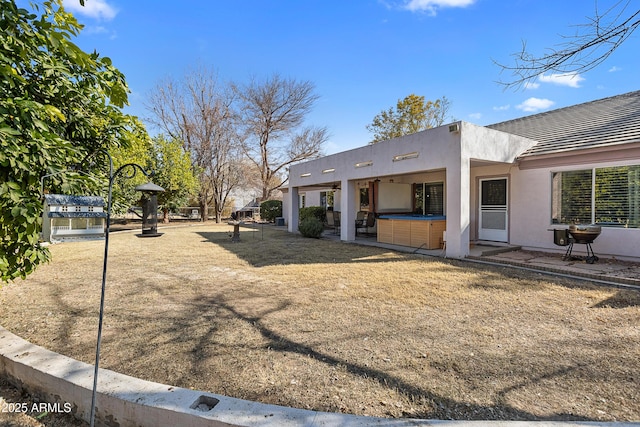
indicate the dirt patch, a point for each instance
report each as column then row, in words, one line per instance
column 330, row 326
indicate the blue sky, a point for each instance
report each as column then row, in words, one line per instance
column 362, row 55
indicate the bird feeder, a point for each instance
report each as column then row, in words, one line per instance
column 149, row 204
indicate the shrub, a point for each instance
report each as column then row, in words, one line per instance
column 311, row 227
column 270, row 210
column 317, row 212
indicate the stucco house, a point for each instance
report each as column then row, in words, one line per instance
column 508, row 183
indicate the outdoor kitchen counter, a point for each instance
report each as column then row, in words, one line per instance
column 412, row 230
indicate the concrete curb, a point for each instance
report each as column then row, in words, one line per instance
column 621, row 282
column 125, row 401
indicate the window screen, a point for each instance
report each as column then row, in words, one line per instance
column 609, row 196
column 617, row 196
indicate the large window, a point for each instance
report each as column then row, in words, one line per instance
column 608, row 196
column 429, row 198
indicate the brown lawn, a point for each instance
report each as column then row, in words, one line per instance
column 331, row 326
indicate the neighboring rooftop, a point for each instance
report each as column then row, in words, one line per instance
column 600, row 123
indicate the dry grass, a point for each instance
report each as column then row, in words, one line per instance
column 331, row 326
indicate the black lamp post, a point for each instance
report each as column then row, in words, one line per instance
column 128, row 171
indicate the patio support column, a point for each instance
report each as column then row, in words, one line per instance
column 348, row 210
column 294, row 209
column 458, row 208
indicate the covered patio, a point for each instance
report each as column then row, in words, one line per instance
column 388, row 178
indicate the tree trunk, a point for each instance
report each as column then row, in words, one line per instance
column 165, row 216
column 204, row 209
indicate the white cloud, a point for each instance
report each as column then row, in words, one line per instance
column 97, row 30
column 614, row 69
column 564, row 79
column 430, row 6
column 502, row 108
column 531, row 85
column 475, row 116
column 532, row 105
column 97, row 9
column 101, row 30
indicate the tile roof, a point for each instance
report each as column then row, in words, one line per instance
column 601, row 123
column 64, row 199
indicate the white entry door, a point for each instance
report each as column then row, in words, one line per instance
column 493, row 216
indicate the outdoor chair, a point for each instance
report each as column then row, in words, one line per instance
column 368, row 222
column 336, row 222
column 330, row 222
column 360, row 219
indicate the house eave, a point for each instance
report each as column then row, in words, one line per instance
column 578, row 157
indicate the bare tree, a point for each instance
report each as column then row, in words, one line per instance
column 198, row 112
column 589, row 47
column 273, row 114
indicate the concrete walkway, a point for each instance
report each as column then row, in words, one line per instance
column 606, row 270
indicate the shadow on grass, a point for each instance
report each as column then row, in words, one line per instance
column 622, row 299
column 262, row 245
column 215, row 310
column 274, row 247
column 211, row 312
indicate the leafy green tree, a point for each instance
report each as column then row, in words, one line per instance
column 57, row 105
column 270, row 210
column 172, row 170
column 412, row 114
column 136, row 147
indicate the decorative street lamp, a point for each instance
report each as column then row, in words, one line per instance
column 128, row 171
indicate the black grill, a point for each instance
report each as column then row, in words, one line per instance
column 577, row 233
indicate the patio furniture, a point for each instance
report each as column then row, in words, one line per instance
column 360, row 219
column 333, row 221
column 330, row 219
column 336, row 222
column 368, row 221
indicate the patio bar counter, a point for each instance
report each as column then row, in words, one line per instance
column 416, row 231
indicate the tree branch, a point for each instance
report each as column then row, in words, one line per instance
column 592, row 44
